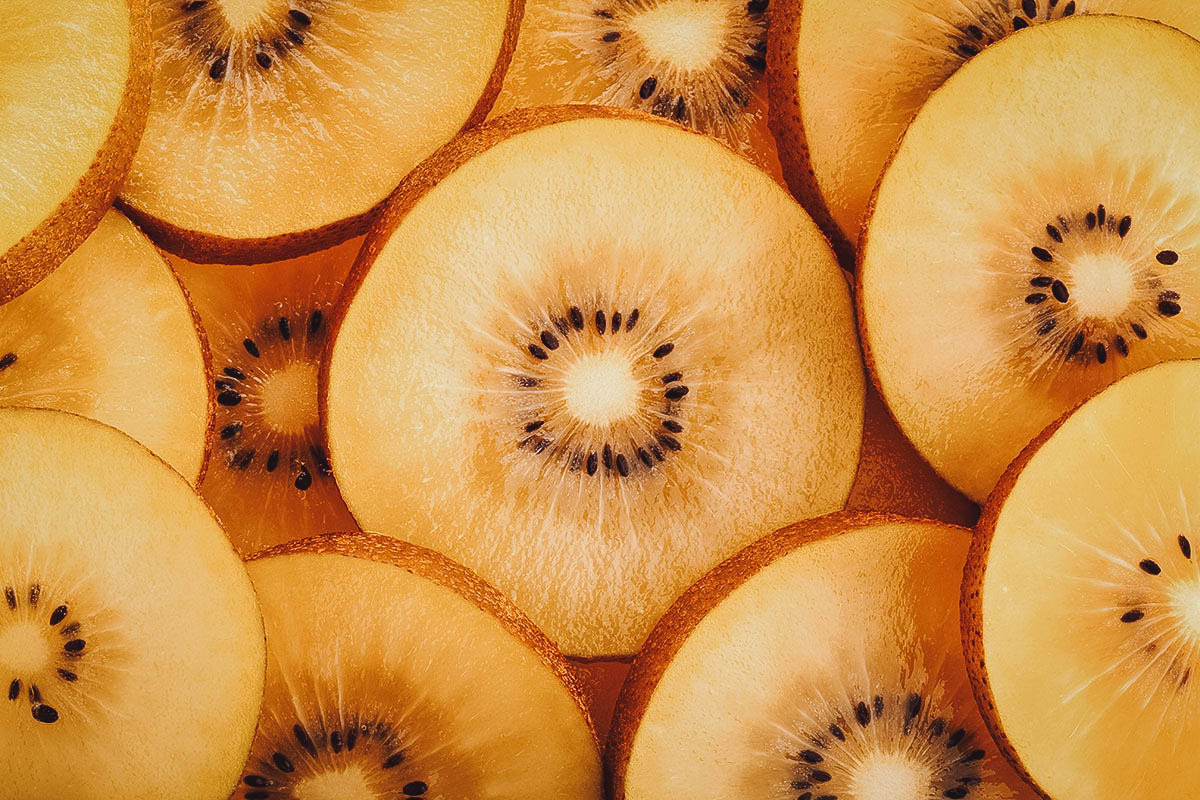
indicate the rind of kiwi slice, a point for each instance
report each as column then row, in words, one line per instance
column 418, row 680
column 111, row 335
column 1035, row 238
column 278, row 126
column 131, row 646
column 1080, row 599
column 634, row 355
column 823, row 661
column 77, row 91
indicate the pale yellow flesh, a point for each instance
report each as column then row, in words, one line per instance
column 172, row 666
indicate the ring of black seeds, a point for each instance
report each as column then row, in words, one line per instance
column 59, row 623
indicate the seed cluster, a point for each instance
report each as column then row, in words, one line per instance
column 203, row 22
column 1151, row 567
column 31, row 603
column 996, row 20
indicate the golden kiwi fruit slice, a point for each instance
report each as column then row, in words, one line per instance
column 589, row 354
column 131, row 645
column 76, row 80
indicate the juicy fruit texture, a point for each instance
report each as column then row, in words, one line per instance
column 464, row 699
column 111, row 336
column 269, row 478
column 128, row 626
column 1081, row 598
column 848, row 77
column 822, row 661
column 629, row 381
column 1035, row 238
column 276, row 126
column 76, row 81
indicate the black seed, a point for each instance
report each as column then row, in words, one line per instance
column 221, row 384
column 1101, row 215
column 256, row 780
column 955, row 738
column 45, row 714
column 283, row 763
column 1167, row 257
column 1138, row 330
column 1042, row 281
column 1091, row 220
column 1019, row 24
column 67, row 675
column 957, row 793
column 680, row 110
column 1047, row 326
column 1168, row 308
column 914, row 707
column 602, row 14
column 285, row 329
column 251, row 347
column 616, row 322
column 644, row 457
column 1030, row 8
column 1055, row 234
column 263, row 59
column 837, row 733
column 35, row 594
column 974, row 755
column 351, row 738
column 648, row 87
column 1132, row 616
column 608, row 456
column 611, row 36
column 394, row 760
column 549, row 340
column 1150, row 567
column 1121, row 345
column 537, row 352
column 335, row 741
column 968, row 50
column 592, row 464
column 670, row 442
column 7, row 360
column 576, row 317
column 217, row 70
column 820, row 776
column 416, row 788
column 299, row 17
column 1060, row 291
column 1069, row 9
column 231, row 430
column 75, row 646
column 1101, row 353
column 14, row 690
column 35, row 694
column 294, row 36
column 1076, row 345
column 303, row 479
column 622, row 465
column 194, row 5
column 314, row 322
column 756, row 6
column 671, row 377
column 58, row 616
column 1042, row 254
column 273, row 461
column 243, row 458
column 811, row 757
column 975, row 32
column 878, row 707
column 526, row 382
column 1124, row 226
column 1185, row 546
column 601, row 322
column 229, row 397
column 756, row 62
column 10, row 597
column 1035, row 298
column 235, row 373
column 663, row 350
column 862, row 714
column 672, row 426
column 304, row 739
column 676, row 392
column 658, row 454
column 533, row 426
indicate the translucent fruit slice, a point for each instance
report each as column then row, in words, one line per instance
column 848, row 77
column 590, row 355
column 823, row 661
column 277, row 126
column 76, row 80
column 463, row 698
column 1036, row 237
column 131, row 646
column 111, row 336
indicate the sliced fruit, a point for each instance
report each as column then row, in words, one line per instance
column 131, row 646
column 277, row 126
column 1035, row 238
column 822, row 661
column 1080, row 604
column 76, row 80
column 269, row 479
column 847, row 78
column 590, row 355
column 111, row 336
column 465, row 698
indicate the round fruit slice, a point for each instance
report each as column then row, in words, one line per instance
column 76, row 80
column 1081, row 596
column 823, row 661
column 131, row 646
column 111, row 336
column 269, row 479
column 277, row 126
column 590, row 355
column 465, row 698
column 1036, row 238
column 847, row 78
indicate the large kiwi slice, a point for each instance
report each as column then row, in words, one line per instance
column 111, row 335
column 395, row 673
column 277, row 126
column 1081, row 605
column 1036, row 237
column 269, row 478
column 76, row 80
column 590, row 354
column 847, row 77
column 131, row 646
column 821, row 662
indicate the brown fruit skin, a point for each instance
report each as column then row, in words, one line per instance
column 692, row 606
column 43, row 249
column 206, row 248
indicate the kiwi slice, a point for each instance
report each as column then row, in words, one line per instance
column 111, row 335
column 590, row 354
column 277, row 126
column 463, row 698
column 131, row 646
column 847, row 78
column 76, row 80
column 998, row 291
column 269, row 478
column 823, row 661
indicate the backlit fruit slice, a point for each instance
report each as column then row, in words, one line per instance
column 1081, row 598
column 395, row 673
column 76, row 80
column 131, row 646
column 847, row 77
column 823, row 661
column 591, row 355
column 277, row 126
column 111, row 336
column 1036, row 237
column 269, row 479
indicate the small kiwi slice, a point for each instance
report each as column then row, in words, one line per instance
column 589, row 354
column 464, row 698
column 277, row 126
column 269, row 478
column 847, row 77
column 111, row 335
column 131, row 645
column 1035, row 238
column 821, row 662
column 76, row 80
